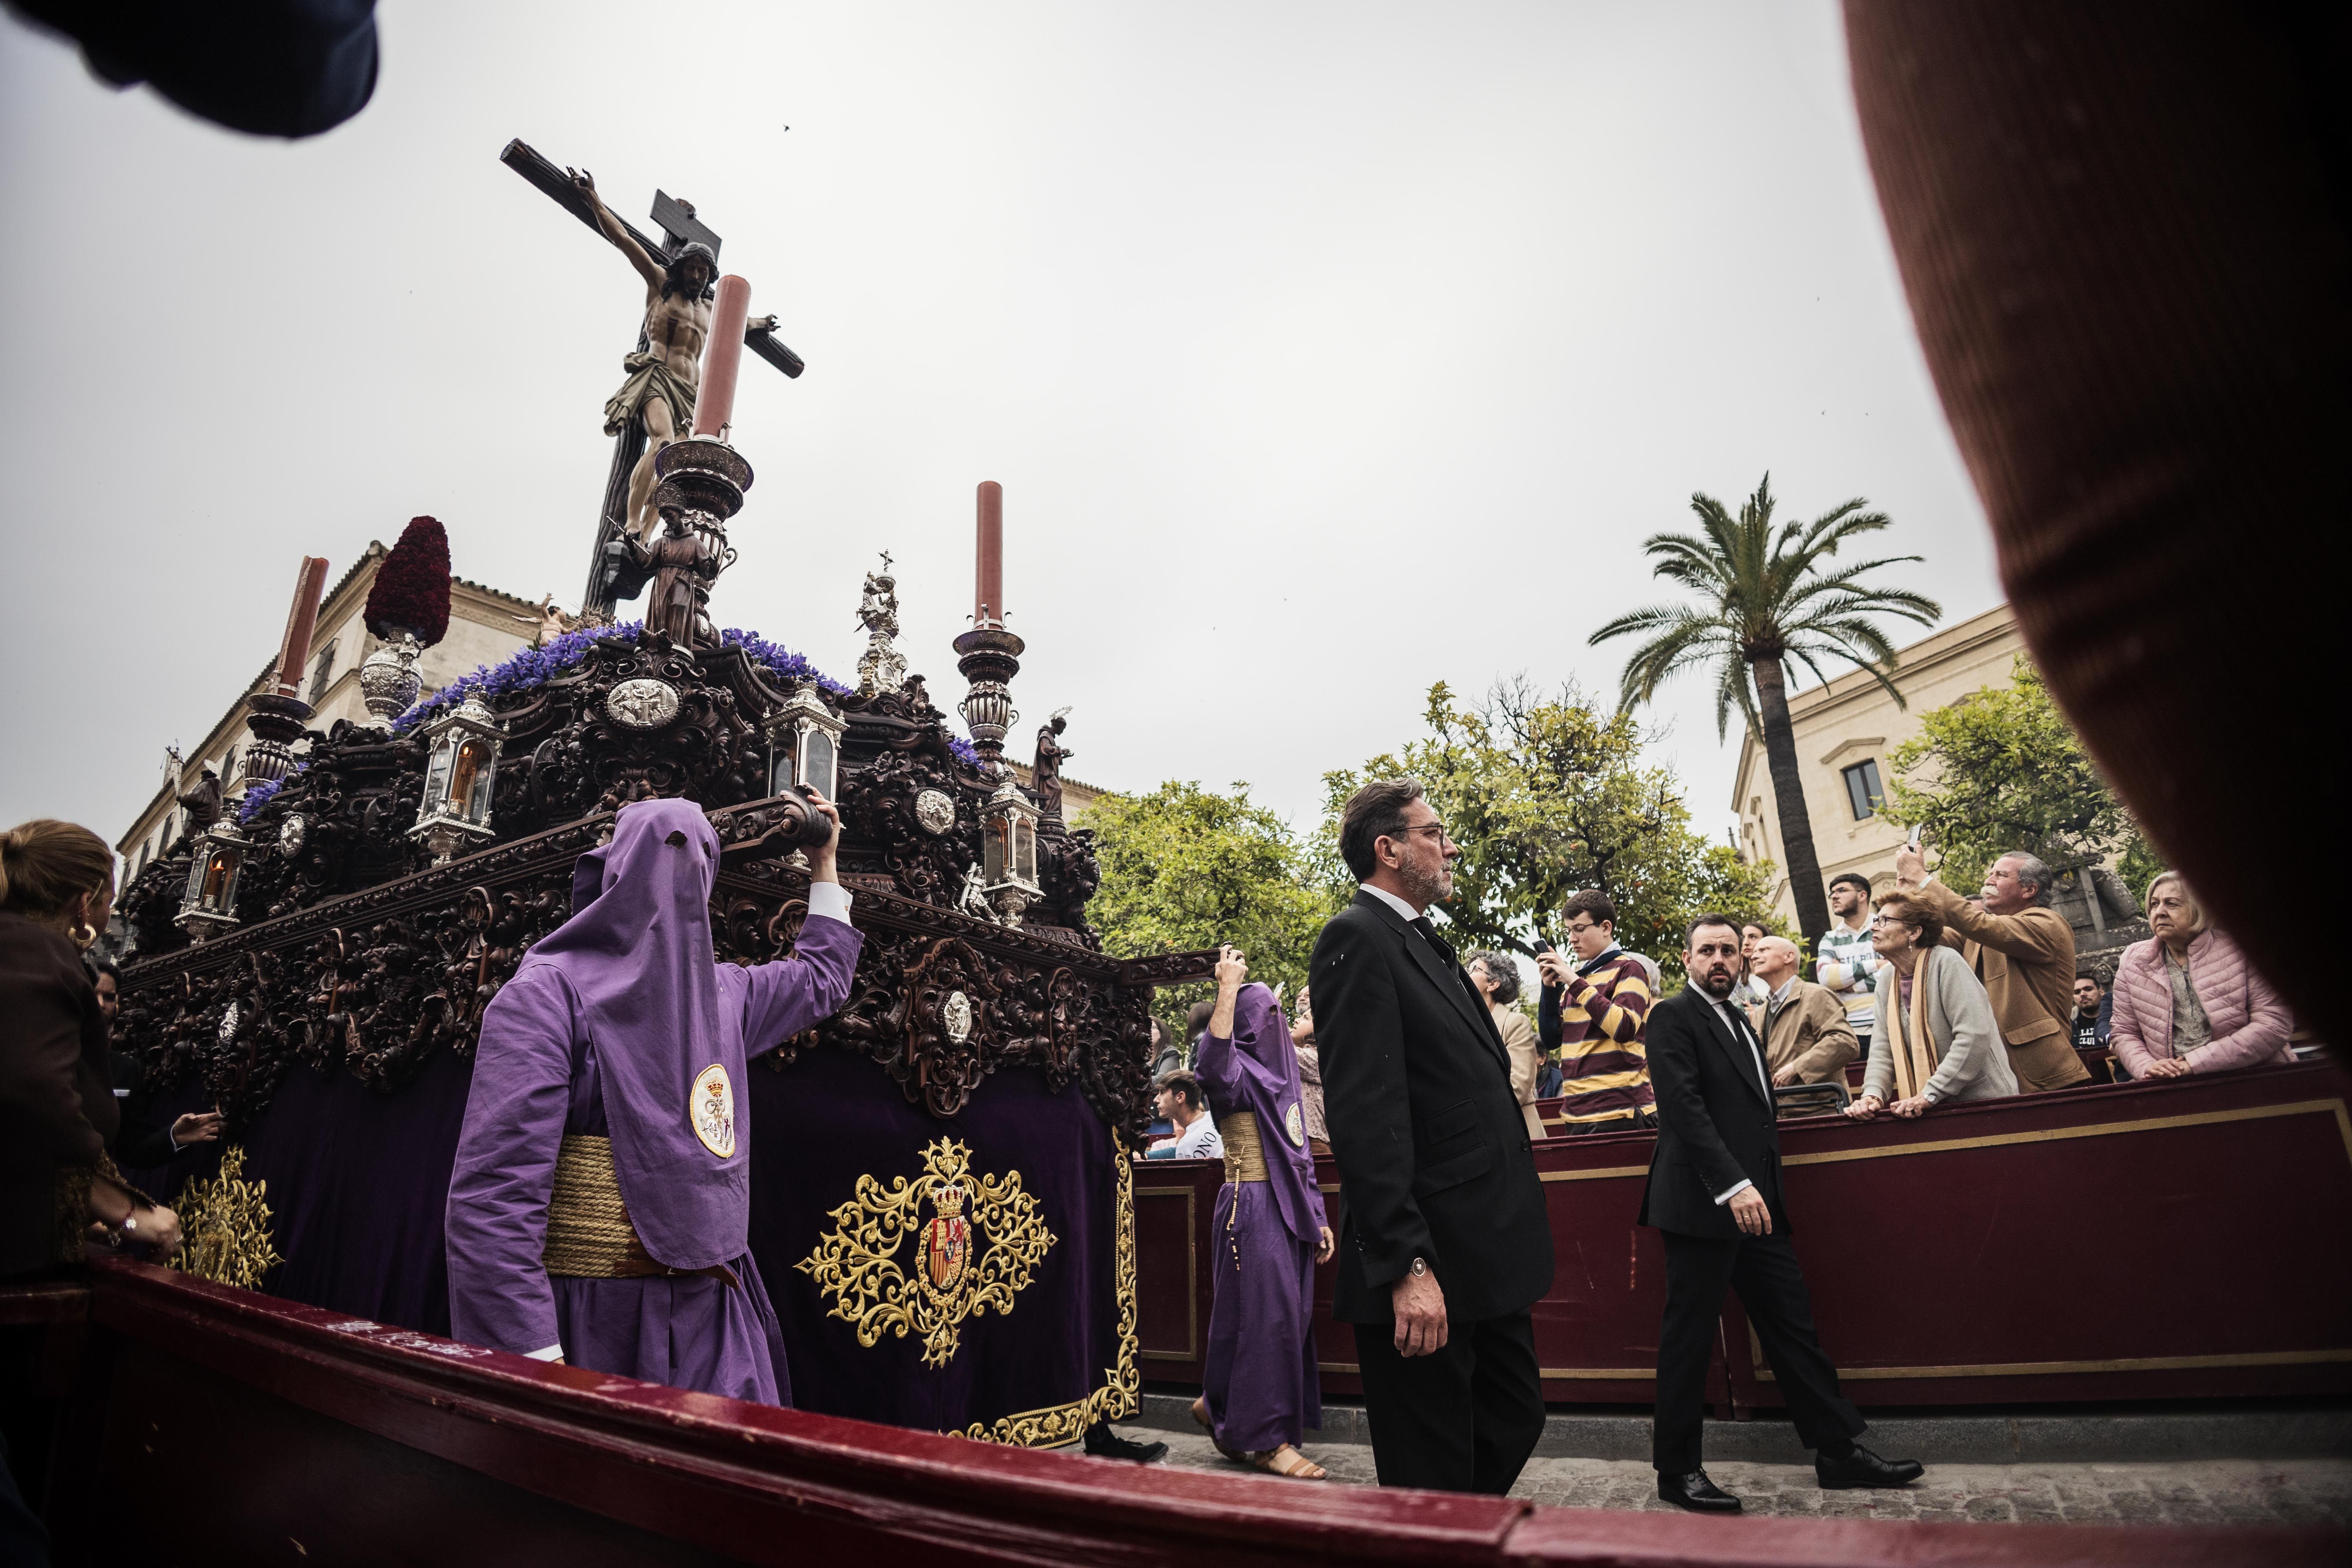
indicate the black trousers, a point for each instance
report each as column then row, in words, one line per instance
column 1462, row 1419
column 1763, row 1270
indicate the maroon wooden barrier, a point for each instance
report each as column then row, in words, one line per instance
column 215, row 1426
column 2182, row 1238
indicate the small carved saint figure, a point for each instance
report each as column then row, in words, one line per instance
column 881, row 667
column 551, row 622
column 660, row 389
column 204, row 802
column 1045, row 772
column 684, row 566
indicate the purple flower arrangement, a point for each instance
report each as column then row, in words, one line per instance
column 257, row 795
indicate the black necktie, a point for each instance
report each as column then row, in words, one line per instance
column 1748, row 1037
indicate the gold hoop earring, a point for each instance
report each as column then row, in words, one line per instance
column 85, row 936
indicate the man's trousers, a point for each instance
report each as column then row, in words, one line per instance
column 1763, row 1270
column 1460, row 1419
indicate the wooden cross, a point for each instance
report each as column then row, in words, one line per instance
column 612, row 575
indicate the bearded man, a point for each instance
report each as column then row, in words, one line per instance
column 1444, row 1242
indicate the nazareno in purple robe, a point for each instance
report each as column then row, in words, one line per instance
column 612, row 1026
column 1259, row 1373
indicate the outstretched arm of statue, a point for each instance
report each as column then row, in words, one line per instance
column 610, row 228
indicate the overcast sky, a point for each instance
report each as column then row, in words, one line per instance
column 1322, row 350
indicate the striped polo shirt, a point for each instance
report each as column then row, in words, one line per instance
column 1605, row 1067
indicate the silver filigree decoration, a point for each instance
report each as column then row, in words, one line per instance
column 934, row 812
column 292, row 832
column 644, row 704
column 230, row 1017
column 955, row 1016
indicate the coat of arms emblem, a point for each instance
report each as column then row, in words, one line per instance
column 711, row 1110
column 953, row 1278
column 1294, row 1126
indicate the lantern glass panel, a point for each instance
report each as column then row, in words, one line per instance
column 1024, row 845
column 780, row 766
column 997, row 850
column 817, row 771
column 436, row 778
column 196, row 889
column 220, row 882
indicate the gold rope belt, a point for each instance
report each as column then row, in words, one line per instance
column 589, row 1233
column 1245, row 1154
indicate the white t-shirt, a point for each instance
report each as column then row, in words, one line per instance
column 1199, row 1140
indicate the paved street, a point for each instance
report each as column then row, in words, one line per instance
column 2220, row 1491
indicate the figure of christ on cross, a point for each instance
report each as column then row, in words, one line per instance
column 662, row 382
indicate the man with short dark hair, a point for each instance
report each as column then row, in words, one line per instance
column 1592, row 1012
column 1844, row 960
column 2022, row 949
column 1444, row 1243
column 1181, row 1101
column 1714, row 1193
column 2089, row 1030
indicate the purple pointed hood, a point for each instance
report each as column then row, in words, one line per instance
column 1257, row 1072
column 638, row 952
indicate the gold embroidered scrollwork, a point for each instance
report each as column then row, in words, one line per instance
column 857, row 1264
column 225, row 1227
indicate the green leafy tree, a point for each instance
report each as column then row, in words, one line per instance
column 1186, row 867
column 1766, row 599
column 2000, row 769
column 1546, row 796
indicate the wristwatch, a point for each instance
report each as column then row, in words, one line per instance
column 1419, row 1269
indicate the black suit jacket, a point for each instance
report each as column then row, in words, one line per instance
column 1434, row 1155
column 1716, row 1122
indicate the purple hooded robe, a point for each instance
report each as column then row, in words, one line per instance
column 612, row 1026
column 1259, row 1373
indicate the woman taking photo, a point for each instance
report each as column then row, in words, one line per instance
column 2187, row 1001
column 56, row 1092
column 1937, row 1039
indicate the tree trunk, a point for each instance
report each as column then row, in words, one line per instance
column 1804, row 868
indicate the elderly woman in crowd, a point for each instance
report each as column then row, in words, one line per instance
column 1497, row 979
column 1937, row 1039
column 2187, row 1000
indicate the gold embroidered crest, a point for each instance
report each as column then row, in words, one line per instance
column 712, row 1108
column 1293, row 1124
column 857, row 1264
column 225, row 1227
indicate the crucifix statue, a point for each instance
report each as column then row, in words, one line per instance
column 656, row 404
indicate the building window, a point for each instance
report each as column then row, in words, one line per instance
column 324, row 666
column 1862, row 789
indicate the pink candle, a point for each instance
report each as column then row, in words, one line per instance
column 714, row 403
column 301, row 620
column 987, row 607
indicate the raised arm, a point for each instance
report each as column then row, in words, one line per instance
column 651, row 270
column 1214, row 1064
column 2037, row 935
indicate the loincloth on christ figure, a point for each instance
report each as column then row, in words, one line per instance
column 649, row 377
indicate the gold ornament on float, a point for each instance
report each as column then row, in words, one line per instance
column 224, row 1228
column 952, row 1279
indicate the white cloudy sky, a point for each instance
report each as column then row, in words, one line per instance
column 1323, row 351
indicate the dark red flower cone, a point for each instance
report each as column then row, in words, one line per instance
column 412, row 588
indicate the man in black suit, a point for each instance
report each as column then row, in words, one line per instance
column 1715, row 1193
column 1444, row 1242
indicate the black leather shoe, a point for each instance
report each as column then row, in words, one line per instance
column 1696, row 1493
column 1863, row 1469
column 1105, row 1444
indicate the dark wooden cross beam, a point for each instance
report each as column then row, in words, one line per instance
column 611, row 575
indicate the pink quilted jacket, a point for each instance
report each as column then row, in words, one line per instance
column 2249, row 1023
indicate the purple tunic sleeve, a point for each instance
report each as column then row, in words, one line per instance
column 514, row 1112
column 782, row 998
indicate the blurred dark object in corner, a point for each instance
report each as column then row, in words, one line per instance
column 275, row 67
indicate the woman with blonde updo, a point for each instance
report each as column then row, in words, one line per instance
column 56, row 1095
column 2187, row 1000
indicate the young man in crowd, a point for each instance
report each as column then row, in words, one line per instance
column 2090, row 1031
column 1846, row 965
column 2022, row 950
column 1592, row 1010
column 1806, row 1039
column 1750, row 991
column 1181, row 1101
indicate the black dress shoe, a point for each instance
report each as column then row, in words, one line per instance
column 1863, row 1469
column 1696, row 1493
column 1105, row 1444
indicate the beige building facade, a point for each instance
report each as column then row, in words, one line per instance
column 486, row 627
column 1844, row 731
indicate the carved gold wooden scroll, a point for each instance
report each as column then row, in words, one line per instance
column 1122, row 1391
column 951, row 1280
column 225, row 1227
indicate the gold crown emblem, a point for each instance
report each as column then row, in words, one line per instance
column 949, row 1201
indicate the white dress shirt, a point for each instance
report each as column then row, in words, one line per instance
column 1392, row 901
column 1740, row 1031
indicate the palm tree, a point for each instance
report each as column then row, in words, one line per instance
column 1765, row 600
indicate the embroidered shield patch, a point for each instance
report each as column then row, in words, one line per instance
column 1294, row 1122
column 711, row 1110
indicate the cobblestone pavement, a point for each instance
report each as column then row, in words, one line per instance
column 2215, row 1492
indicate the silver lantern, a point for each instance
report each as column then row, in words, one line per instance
column 1008, row 870
column 208, row 903
column 463, row 746
column 804, row 743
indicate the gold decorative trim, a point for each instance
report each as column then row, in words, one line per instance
column 1592, row 1175
column 1547, row 1374
column 225, row 1227
column 1192, row 1351
column 1121, row 1393
column 2098, row 1130
column 2056, row 1368
column 857, row 1264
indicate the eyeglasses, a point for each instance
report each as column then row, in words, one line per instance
column 1436, row 830
column 1576, row 929
column 1876, row 921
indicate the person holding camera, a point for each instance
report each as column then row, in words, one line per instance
column 599, row 1204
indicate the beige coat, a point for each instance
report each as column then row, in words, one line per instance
column 1810, row 1030
column 1519, row 1039
column 2027, row 964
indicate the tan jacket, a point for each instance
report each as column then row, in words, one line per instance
column 2027, row 964
column 1810, row 1030
column 1519, row 1039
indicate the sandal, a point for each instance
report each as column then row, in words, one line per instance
column 1289, row 1461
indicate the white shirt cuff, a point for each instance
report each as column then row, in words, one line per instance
column 552, row 1353
column 1729, row 1193
column 829, row 899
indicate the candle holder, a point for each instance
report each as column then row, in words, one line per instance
column 702, row 483
column 989, row 656
column 277, row 723
column 388, row 680
column 208, row 903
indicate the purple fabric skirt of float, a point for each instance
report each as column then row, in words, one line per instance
column 688, row 1331
column 1259, row 1373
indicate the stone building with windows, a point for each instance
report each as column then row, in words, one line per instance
column 486, row 627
